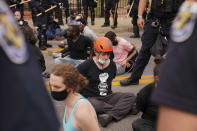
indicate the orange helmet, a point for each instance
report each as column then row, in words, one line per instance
column 103, row 44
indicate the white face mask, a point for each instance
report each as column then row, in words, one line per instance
column 103, row 62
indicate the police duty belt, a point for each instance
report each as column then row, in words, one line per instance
column 23, row 2
column 49, row 9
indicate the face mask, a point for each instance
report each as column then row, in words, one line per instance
column 103, row 62
column 114, row 43
column 59, row 96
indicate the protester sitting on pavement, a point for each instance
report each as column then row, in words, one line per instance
column 100, row 71
column 72, row 18
column 149, row 110
column 65, row 82
column 124, row 52
column 31, row 40
column 78, row 46
column 17, row 16
column 85, row 30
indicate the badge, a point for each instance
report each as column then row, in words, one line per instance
column 184, row 23
column 11, row 39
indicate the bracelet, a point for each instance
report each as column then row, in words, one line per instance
column 139, row 16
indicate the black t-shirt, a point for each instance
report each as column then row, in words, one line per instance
column 25, row 104
column 99, row 80
column 145, row 105
column 177, row 87
column 79, row 49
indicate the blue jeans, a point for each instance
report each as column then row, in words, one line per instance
column 68, row 60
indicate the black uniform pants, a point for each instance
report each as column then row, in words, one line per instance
column 113, row 6
column 135, row 26
column 148, row 40
column 58, row 13
column 143, row 125
column 88, row 4
column 118, row 105
column 66, row 6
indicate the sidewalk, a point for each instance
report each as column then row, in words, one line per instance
column 124, row 24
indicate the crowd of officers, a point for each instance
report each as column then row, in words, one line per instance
column 154, row 16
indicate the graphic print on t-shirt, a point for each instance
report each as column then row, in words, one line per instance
column 103, row 87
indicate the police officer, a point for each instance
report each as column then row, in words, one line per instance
column 66, row 8
column 113, row 6
column 162, row 14
column 19, row 6
column 25, row 104
column 176, row 90
column 58, row 11
column 91, row 4
column 39, row 6
column 133, row 14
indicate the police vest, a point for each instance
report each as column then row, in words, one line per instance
column 166, row 6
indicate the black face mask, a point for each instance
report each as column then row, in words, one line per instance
column 59, row 96
column 115, row 43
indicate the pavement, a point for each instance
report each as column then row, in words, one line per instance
column 124, row 30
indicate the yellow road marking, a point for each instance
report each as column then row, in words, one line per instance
column 145, row 79
column 52, row 49
column 141, row 82
column 124, row 77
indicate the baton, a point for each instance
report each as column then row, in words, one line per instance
column 23, row 2
column 47, row 10
column 130, row 8
column 116, row 6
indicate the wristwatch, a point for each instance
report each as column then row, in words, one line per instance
column 139, row 16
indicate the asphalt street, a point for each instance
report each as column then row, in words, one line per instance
column 124, row 30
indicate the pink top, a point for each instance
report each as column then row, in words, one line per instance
column 122, row 50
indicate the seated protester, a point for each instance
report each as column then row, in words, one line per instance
column 21, row 22
column 78, row 46
column 149, row 110
column 85, row 30
column 124, row 53
column 65, row 82
column 71, row 20
column 31, row 40
column 100, row 71
column 53, row 30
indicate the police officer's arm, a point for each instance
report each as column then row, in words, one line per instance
column 175, row 120
column 141, row 9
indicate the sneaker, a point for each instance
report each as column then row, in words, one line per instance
column 135, row 36
column 48, row 45
column 62, row 45
column 129, row 81
column 42, row 47
column 114, row 26
column 92, row 23
column 58, row 38
column 104, row 119
column 105, row 25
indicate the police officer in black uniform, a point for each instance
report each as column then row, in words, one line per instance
column 17, row 7
column 91, row 4
column 66, row 8
column 58, row 11
column 113, row 6
column 25, row 104
column 133, row 14
column 162, row 14
column 39, row 6
column 176, row 90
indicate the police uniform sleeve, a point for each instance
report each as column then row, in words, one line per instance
column 25, row 103
column 177, row 87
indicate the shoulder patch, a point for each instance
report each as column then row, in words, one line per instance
column 11, row 39
column 183, row 26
